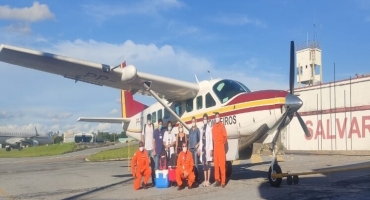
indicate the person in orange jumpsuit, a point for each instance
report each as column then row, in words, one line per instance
column 185, row 167
column 140, row 166
column 219, row 156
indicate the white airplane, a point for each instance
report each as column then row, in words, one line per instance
column 19, row 139
column 249, row 117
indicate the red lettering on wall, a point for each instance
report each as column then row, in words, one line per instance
column 365, row 126
column 309, row 125
column 328, row 133
column 320, row 130
column 341, row 130
column 354, row 128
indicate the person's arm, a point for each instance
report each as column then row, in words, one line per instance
column 133, row 164
column 154, row 153
column 142, row 134
column 198, row 138
column 173, row 139
column 165, row 139
column 224, row 134
column 146, row 166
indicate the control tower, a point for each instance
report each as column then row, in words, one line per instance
column 309, row 65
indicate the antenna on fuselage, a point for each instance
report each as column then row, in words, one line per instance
column 196, row 78
column 209, row 72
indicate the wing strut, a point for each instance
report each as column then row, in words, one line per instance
column 147, row 87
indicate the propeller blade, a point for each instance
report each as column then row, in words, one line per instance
column 291, row 74
column 303, row 125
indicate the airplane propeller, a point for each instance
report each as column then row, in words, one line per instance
column 291, row 89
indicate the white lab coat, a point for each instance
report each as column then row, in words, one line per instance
column 169, row 139
column 209, row 143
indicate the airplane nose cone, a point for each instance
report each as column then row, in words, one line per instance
column 293, row 102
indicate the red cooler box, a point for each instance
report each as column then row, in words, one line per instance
column 172, row 174
column 161, row 179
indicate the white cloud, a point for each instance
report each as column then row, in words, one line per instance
column 21, row 28
column 147, row 7
column 113, row 112
column 37, row 12
column 237, row 20
column 63, row 115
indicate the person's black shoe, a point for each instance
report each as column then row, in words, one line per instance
column 144, row 185
column 190, row 187
column 180, row 187
column 217, row 184
column 222, row 185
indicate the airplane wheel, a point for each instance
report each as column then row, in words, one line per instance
column 8, row 149
column 229, row 168
column 274, row 182
column 289, row 180
column 20, row 148
column 295, row 180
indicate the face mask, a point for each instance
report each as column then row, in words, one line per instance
column 159, row 127
column 169, row 128
column 149, row 122
column 184, row 149
column 205, row 121
column 141, row 148
column 217, row 119
column 180, row 130
column 193, row 124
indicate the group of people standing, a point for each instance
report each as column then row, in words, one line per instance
column 206, row 143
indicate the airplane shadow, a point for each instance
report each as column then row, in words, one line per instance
column 98, row 189
column 326, row 185
column 122, row 175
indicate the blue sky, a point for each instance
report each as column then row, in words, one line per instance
column 243, row 40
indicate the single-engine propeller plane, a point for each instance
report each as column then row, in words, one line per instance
column 249, row 117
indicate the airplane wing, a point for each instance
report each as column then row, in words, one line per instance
column 13, row 141
column 127, row 78
column 103, row 120
column 125, row 121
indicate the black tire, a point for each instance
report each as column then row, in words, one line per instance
column 8, row 149
column 295, row 180
column 274, row 182
column 289, row 180
column 229, row 168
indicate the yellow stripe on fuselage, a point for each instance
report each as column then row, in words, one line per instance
column 240, row 106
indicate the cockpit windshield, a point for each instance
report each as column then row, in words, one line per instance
column 227, row 89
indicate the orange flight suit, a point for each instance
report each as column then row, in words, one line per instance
column 219, row 155
column 142, row 162
column 185, row 162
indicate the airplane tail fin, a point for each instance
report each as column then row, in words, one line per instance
column 129, row 106
column 37, row 134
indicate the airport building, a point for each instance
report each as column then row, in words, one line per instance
column 79, row 137
column 337, row 114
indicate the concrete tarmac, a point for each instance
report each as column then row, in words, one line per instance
column 70, row 177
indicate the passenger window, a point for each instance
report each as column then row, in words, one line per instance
column 189, row 105
column 210, row 101
column 154, row 117
column 199, row 102
column 166, row 114
column 178, row 109
column 159, row 114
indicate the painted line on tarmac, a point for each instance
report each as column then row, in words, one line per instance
column 256, row 159
column 4, row 193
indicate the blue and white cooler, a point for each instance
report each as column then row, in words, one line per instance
column 161, row 179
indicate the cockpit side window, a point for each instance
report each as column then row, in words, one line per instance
column 209, row 100
column 227, row 89
column 189, row 105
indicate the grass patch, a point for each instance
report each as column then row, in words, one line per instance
column 50, row 150
column 119, row 153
